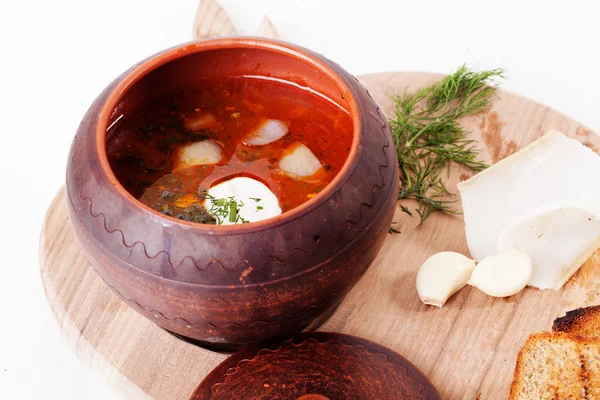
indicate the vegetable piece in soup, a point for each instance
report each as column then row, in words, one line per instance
column 299, row 161
column 205, row 152
column 267, row 132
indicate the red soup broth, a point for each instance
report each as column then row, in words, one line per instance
column 143, row 147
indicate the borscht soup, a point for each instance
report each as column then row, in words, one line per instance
column 230, row 151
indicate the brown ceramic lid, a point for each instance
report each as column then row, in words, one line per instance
column 316, row 366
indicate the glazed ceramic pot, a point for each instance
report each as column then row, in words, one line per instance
column 226, row 286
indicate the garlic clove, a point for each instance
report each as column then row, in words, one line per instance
column 504, row 274
column 442, row 275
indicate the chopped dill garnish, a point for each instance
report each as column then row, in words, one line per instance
column 232, row 211
column 256, row 199
column 225, row 208
column 428, row 137
column 258, row 208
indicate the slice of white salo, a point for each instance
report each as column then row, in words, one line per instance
column 503, row 274
column 267, row 132
column 442, row 275
column 298, row 160
column 552, row 169
column 199, row 153
column 559, row 238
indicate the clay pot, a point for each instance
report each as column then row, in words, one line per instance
column 226, row 286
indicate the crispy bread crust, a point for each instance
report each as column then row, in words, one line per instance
column 576, row 321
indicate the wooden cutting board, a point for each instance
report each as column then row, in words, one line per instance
column 466, row 348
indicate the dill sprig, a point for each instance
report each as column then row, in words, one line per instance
column 429, row 138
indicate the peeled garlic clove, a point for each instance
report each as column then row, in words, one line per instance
column 268, row 132
column 442, row 275
column 298, row 160
column 204, row 152
column 504, row 274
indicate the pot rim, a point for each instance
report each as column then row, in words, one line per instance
column 140, row 70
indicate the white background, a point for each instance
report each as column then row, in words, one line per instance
column 57, row 55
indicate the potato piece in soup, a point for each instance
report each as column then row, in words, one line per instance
column 267, row 132
column 205, row 152
column 299, row 161
column 202, row 121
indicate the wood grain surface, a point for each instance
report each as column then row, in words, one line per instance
column 466, row 348
column 211, row 20
column 267, row 29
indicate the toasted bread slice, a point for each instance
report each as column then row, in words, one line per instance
column 557, row 366
column 591, row 362
column 583, row 322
